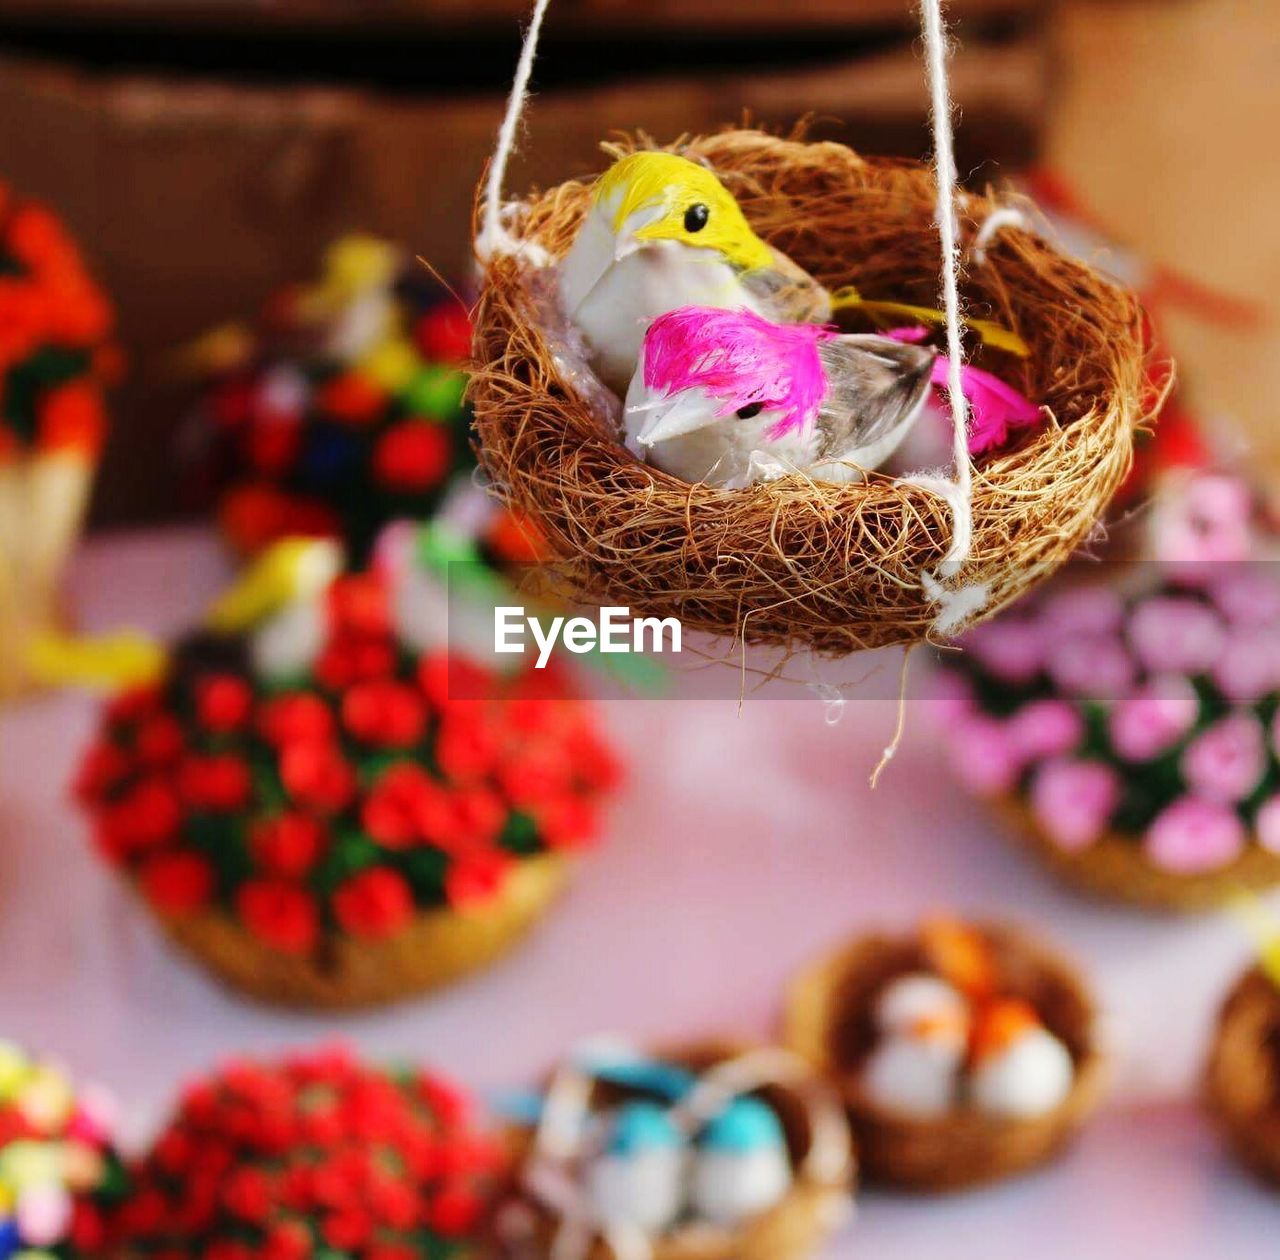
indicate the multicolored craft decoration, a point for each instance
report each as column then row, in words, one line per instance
column 57, row 360
column 326, row 805
column 732, row 1154
column 342, row 410
column 60, row 1175
column 315, row 1155
column 1134, row 736
column 964, row 1053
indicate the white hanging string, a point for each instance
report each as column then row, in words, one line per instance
column 494, row 237
column 944, row 161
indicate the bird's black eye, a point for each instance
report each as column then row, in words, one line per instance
column 750, row 411
column 696, row 216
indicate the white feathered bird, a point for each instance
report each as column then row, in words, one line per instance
column 729, row 398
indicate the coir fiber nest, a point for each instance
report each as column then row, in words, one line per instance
column 829, row 1020
column 1242, row 1082
column 434, row 948
column 817, row 1203
column 797, row 563
column 1115, row 867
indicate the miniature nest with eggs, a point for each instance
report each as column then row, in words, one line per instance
column 794, row 562
column 829, row 1022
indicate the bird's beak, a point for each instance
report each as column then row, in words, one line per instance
column 630, row 237
column 686, row 414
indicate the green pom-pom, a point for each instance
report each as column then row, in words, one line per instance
column 436, row 392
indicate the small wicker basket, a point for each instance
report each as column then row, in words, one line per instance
column 1242, row 1081
column 797, row 563
column 1115, row 867
column 828, row 1020
column 818, row 1202
column 436, row 947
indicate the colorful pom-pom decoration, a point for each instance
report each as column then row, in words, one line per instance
column 327, row 812
column 342, row 408
column 1132, row 737
column 57, row 360
column 61, row 1178
column 315, row 1155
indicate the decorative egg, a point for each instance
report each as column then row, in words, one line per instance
column 1029, row 1076
column 637, row 1180
column 914, row 1075
column 920, row 1000
column 742, row 1167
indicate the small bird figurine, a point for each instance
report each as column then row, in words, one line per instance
column 730, row 398
column 636, row 1182
column 924, row 1026
column 1018, row 1067
column 663, row 232
column 742, row 1167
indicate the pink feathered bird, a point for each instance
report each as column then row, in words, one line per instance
column 729, row 398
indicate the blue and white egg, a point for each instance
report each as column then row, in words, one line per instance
column 742, row 1167
column 637, row 1179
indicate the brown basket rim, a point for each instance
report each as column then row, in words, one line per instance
column 794, row 563
column 1115, row 867
column 1236, row 1082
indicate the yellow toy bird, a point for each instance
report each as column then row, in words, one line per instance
column 292, row 571
column 663, row 233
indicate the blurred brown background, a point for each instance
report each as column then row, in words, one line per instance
column 207, row 150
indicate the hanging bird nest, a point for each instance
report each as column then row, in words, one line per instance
column 797, row 563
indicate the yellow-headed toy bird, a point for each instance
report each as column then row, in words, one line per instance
column 663, row 233
column 292, row 571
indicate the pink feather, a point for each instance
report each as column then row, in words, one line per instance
column 995, row 408
column 740, row 359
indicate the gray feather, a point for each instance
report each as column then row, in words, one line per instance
column 878, row 388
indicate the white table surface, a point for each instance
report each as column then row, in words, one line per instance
column 743, row 845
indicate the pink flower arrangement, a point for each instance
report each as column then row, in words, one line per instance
column 1091, row 610
column 1013, row 650
column 984, row 758
column 1207, row 523
column 1194, row 835
column 1154, row 718
column 1249, row 667
column 1073, row 800
column 1248, row 595
column 1174, row 633
column 1045, row 728
column 1227, row 762
column 1096, row 666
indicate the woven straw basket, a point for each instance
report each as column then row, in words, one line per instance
column 436, row 947
column 828, row 1020
column 795, row 563
column 817, row 1203
column 1242, row 1081
column 1115, row 867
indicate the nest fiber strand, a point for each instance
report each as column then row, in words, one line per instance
column 797, row 563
